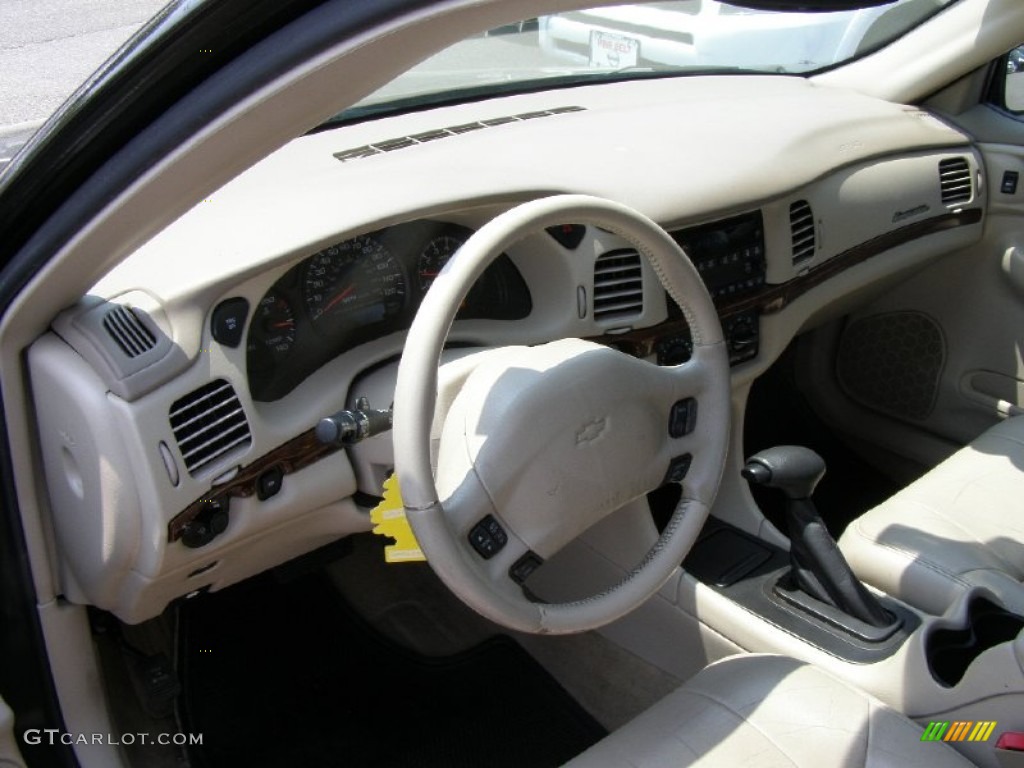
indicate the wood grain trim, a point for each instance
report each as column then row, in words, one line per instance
column 774, row 298
column 296, row 454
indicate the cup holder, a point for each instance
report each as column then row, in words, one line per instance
column 951, row 651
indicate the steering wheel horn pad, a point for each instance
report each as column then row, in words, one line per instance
column 552, row 438
column 559, row 436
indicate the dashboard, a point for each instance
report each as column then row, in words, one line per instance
column 293, row 286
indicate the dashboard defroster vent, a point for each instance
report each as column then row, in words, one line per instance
column 208, row 423
column 955, row 180
column 618, row 285
column 801, row 226
column 402, row 142
column 128, row 331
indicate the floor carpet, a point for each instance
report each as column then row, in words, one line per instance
column 279, row 674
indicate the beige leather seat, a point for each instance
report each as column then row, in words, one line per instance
column 760, row 711
column 960, row 525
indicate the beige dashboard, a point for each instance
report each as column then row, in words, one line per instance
column 798, row 200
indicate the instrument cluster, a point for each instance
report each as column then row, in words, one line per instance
column 360, row 289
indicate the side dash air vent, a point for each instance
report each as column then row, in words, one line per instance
column 208, row 423
column 402, row 142
column 128, row 331
column 618, row 285
column 801, row 226
column 955, row 180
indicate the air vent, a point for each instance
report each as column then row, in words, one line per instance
column 618, row 285
column 128, row 331
column 208, row 423
column 403, row 142
column 801, row 226
column 955, row 180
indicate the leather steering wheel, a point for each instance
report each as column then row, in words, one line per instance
column 542, row 442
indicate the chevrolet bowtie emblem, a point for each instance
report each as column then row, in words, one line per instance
column 590, row 432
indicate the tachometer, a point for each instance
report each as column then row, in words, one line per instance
column 491, row 296
column 434, row 256
column 353, row 284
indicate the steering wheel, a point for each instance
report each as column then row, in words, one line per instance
column 542, row 442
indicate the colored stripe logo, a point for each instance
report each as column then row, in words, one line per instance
column 959, row 730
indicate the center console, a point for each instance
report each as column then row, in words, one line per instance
column 753, row 574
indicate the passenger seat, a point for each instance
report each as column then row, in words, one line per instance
column 960, row 525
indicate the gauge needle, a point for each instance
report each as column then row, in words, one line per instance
column 340, row 297
column 285, row 324
column 429, row 274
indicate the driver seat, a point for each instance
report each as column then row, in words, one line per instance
column 758, row 711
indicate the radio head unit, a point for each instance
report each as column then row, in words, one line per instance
column 728, row 254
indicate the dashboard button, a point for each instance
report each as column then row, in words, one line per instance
column 207, row 525
column 1009, row 184
column 269, row 483
column 228, row 322
column 568, row 235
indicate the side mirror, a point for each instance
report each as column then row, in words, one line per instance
column 1013, row 91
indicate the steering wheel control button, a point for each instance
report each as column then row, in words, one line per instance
column 228, row 322
column 269, row 483
column 521, row 569
column 488, row 537
column 683, row 418
column 677, row 469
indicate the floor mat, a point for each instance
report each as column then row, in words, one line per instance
column 286, row 674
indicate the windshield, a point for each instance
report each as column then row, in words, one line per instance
column 653, row 39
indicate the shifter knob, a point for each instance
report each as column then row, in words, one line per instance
column 792, row 469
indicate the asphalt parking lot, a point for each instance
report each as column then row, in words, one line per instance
column 48, row 48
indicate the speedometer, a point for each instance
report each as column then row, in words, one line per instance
column 353, row 284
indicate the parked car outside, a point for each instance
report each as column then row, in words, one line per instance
column 715, row 34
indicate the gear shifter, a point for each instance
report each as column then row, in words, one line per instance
column 818, row 567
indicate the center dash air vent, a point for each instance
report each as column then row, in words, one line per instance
column 208, row 423
column 955, row 180
column 618, row 285
column 128, row 331
column 401, row 142
column 801, row 226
